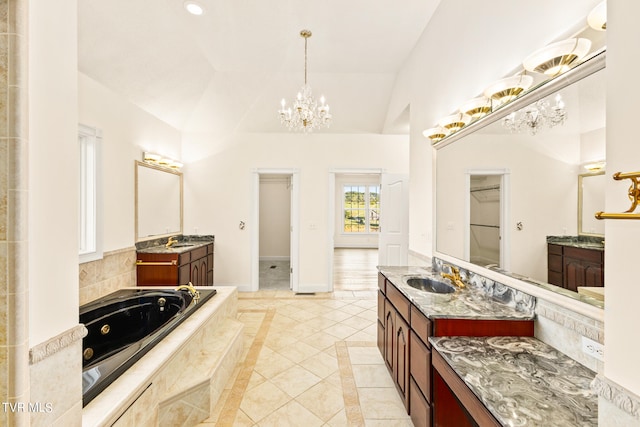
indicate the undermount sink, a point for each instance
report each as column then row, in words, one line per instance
column 430, row 285
column 182, row 245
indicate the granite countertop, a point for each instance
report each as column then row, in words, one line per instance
column 470, row 302
column 184, row 244
column 523, row 381
column 584, row 242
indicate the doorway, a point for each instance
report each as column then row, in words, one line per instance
column 486, row 235
column 275, row 230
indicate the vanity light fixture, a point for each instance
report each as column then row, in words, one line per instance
column 435, row 134
column 158, row 160
column 455, row 122
column 508, row 89
column 597, row 18
column 477, row 107
column 194, row 8
column 558, row 57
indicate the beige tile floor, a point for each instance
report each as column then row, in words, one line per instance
column 309, row 360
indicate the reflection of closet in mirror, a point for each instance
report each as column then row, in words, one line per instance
column 484, row 220
column 484, row 234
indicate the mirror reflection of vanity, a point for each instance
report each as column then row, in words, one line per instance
column 158, row 202
column 538, row 192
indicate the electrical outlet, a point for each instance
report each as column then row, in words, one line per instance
column 592, row 348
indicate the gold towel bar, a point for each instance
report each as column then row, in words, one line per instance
column 173, row 262
column 634, row 196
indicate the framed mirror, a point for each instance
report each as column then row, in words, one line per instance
column 158, row 202
column 544, row 170
column 591, row 188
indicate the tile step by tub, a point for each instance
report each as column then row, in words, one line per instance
column 191, row 398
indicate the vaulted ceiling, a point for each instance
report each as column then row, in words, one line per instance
column 231, row 67
column 227, row 70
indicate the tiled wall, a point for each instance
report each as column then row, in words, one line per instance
column 14, row 384
column 116, row 270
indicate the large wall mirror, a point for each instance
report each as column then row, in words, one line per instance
column 500, row 192
column 158, row 202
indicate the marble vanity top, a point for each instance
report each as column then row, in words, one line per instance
column 584, row 242
column 184, row 244
column 470, row 302
column 523, row 381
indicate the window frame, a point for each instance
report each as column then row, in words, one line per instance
column 367, row 209
column 90, row 235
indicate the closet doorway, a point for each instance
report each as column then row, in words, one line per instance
column 486, row 235
column 275, row 232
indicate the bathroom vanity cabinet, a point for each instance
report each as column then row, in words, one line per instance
column 571, row 267
column 403, row 341
column 176, row 266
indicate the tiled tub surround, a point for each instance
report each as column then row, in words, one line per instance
column 179, row 381
column 477, row 301
column 116, row 270
column 523, row 381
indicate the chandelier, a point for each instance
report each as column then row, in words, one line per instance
column 306, row 115
column 536, row 116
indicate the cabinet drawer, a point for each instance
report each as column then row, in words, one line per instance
column 420, row 365
column 382, row 283
column 185, row 258
column 198, row 253
column 554, row 249
column 399, row 301
column 555, row 263
column 210, row 248
column 555, row 278
column 421, row 325
column 419, row 408
column 583, row 254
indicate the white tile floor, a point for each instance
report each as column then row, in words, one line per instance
column 309, row 361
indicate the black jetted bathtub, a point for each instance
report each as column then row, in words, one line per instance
column 123, row 326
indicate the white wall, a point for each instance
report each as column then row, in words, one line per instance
column 622, row 292
column 218, row 190
column 127, row 132
column 275, row 217
column 53, row 169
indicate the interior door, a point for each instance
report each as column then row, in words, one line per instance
column 394, row 220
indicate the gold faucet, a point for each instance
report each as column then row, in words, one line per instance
column 454, row 276
column 192, row 290
column 172, row 240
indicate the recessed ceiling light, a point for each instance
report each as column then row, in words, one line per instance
column 194, row 8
